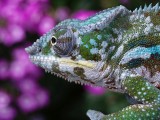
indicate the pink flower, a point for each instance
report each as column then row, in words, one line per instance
column 21, row 16
column 30, row 102
column 7, row 113
column 4, row 69
column 34, row 12
column 46, row 23
column 20, row 54
column 83, row 14
column 4, row 99
column 62, row 13
column 27, row 103
column 16, row 18
column 42, row 97
column 28, row 85
column 95, row 90
column 18, row 69
column 22, row 67
column 11, row 30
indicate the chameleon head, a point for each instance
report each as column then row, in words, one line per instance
column 57, row 52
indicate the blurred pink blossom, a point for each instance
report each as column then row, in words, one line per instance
column 22, row 67
column 33, row 15
column 46, row 23
column 62, row 13
column 18, row 69
column 11, row 29
column 42, row 97
column 28, row 85
column 39, row 1
column 83, row 14
column 16, row 18
column 21, row 16
column 11, row 35
column 27, row 103
column 31, row 102
column 4, row 99
column 34, row 12
column 4, row 69
column 20, row 54
column 7, row 113
column 95, row 90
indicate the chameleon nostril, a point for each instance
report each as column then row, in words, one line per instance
column 27, row 50
column 39, row 50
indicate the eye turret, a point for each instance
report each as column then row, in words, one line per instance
column 65, row 42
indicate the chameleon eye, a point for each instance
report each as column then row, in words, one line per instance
column 64, row 46
column 65, row 43
column 53, row 40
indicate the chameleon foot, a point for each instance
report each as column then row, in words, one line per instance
column 95, row 115
column 142, row 91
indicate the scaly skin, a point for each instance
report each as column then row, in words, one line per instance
column 116, row 49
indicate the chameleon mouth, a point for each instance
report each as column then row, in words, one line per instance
column 42, row 58
column 48, row 62
column 36, row 59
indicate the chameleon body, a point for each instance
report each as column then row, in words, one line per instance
column 116, row 48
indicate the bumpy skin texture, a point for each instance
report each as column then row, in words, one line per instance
column 117, row 49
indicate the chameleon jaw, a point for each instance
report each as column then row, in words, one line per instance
column 40, row 60
column 36, row 59
column 59, row 67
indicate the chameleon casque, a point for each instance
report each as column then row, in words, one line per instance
column 117, row 49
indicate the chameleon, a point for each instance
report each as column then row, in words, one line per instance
column 116, row 48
